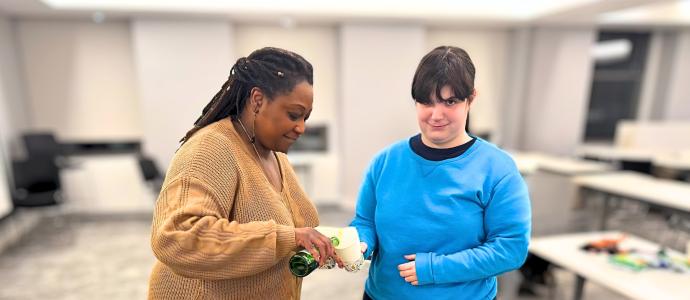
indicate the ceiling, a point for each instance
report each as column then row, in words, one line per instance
column 485, row 12
column 665, row 13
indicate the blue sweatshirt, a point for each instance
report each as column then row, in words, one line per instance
column 467, row 219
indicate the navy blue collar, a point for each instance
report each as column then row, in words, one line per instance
column 435, row 154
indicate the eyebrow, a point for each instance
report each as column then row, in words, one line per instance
column 299, row 105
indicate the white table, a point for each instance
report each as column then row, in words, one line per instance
column 107, row 184
column 670, row 194
column 678, row 160
column 552, row 192
column 529, row 163
column 651, row 284
column 613, row 153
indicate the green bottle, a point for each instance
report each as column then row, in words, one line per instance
column 303, row 263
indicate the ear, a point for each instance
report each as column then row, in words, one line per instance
column 257, row 99
column 474, row 95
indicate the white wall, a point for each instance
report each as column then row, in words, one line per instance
column 376, row 108
column 560, row 77
column 80, row 80
column 12, row 114
column 180, row 66
column 488, row 51
column 678, row 94
column 318, row 45
column 512, row 106
column 652, row 76
column 17, row 119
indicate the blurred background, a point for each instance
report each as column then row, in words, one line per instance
column 590, row 97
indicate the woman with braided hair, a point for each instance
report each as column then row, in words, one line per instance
column 231, row 212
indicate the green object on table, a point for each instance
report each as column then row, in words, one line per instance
column 628, row 261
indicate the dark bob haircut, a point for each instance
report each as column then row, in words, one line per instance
column 445, row 65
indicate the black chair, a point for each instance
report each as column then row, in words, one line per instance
column 537, row 271
column 151, row 174
column 42, row 145
column 149, row 169
column 635, row 166
column 37, row 182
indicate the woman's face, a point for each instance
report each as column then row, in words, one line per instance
column 280, row 122
column 442, row 121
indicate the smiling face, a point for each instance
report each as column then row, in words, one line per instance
column 442, row 121
column 280, row 122
column 443, row 89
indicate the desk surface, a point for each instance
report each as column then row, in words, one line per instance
column 652, row 284
column 612, row 153
column 664, row 192
column 529, row 163
column 679, row 160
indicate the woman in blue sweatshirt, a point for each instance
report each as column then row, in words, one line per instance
column 443, row 212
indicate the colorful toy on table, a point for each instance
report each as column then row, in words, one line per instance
column 636, row 260
column 629, row 261
column 675, row 263
column 609, row 245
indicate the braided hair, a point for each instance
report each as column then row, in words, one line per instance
column 273, row 70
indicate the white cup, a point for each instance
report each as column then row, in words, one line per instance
column 350, row 250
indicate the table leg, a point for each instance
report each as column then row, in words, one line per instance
column 579, row 288
column 604, row 213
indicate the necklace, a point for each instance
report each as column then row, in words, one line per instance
column 263, row 164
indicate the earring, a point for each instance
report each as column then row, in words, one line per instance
column 253, row 139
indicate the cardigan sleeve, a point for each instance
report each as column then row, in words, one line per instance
column 191, row 236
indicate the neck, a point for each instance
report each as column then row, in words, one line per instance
column 457, row 141
column 248, row 123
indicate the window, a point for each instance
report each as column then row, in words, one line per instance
column 620, row 59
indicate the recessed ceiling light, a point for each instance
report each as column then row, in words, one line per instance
column 611, row 51
column 287, row 22
column 98, row 17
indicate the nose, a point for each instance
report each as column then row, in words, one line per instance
column 299, row 129
column 437, row 113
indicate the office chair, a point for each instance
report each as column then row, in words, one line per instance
column 151, row 174
column 42, row 145
column 37, row 182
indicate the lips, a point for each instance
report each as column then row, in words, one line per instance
column 291, row 139
column 438, row 127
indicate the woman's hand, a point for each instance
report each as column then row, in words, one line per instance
column 408, row 270
column 364, row 247
column 311, row 239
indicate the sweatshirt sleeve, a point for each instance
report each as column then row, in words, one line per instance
column 366, row 211
column 507, row 223
column 192, row 238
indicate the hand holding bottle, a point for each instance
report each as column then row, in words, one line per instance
column 311, row 239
